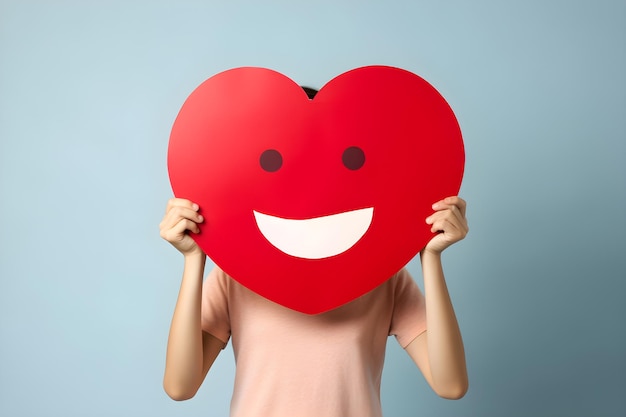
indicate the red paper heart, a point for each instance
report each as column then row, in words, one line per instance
column 313, row 203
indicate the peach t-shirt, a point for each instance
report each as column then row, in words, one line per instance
column 290, row 364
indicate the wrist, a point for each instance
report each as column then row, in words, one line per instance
column 431, row 263
column 196, row 256
column 427, row 254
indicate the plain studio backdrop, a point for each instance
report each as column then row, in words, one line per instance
column 89, row 91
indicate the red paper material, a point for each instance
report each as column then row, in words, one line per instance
column 312, row 203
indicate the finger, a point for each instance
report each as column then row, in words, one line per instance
column 451, row 201
column 179, row 230
column 451, row 231
column 448, row 216
column 458, row 214
column 176, row 213
column 451, row 212
column 458, row 202
column 186, row 225
column 444, row 225
column 181, row 202
column 454, row 204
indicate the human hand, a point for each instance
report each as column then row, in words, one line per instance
column 181, row 218
column 448, row 222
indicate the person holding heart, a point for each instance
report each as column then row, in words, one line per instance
column 317, row 284
column 437, row 351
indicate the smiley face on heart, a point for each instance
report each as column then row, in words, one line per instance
column 313, row 203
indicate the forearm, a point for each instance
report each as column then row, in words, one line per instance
column 184, row 360
column 446, row 355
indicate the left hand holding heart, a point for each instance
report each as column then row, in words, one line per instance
column 448, row 222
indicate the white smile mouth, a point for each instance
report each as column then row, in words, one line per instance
column 316, row 238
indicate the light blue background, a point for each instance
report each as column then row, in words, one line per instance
column 89, row 91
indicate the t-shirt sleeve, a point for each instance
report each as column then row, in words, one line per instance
column 409, row 311
column 215, row 319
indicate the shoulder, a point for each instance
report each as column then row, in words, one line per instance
column 216, row 284
column 218, row 276
column 402, row 278
column 403, row 274
column 404, row 287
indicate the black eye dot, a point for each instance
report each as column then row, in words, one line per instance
column 353, row 158
column 271, row 160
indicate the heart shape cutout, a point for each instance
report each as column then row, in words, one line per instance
column 313, row 203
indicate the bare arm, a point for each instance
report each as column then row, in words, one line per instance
column 439, row 351
column 190, row 351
